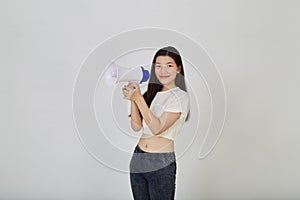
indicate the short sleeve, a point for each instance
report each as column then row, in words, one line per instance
column 178, row 103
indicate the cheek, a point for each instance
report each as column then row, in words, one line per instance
column 172, row 71
column 156, row 71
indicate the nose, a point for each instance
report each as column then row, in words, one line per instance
column 164, row 68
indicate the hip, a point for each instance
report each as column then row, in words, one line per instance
column 142, row 162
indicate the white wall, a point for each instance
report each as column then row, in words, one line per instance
column 255, row 45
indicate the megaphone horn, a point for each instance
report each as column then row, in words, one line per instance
column 116, row 74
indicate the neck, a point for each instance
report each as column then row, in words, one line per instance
column 165, row 88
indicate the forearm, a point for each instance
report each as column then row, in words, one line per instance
column 136, row 121
column 151, row 120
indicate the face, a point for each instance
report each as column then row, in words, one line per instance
column 166, row 70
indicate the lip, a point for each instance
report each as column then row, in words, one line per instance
column 165, row 76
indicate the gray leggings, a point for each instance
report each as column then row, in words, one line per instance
column 152, row 175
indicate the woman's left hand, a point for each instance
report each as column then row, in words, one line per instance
column 131, row 91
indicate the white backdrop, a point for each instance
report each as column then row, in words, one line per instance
column 255, row 44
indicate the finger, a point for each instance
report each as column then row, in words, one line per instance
column 126, row 97
column 131, row 85
column 136, row 85
column 129, row 89
column 126, row 88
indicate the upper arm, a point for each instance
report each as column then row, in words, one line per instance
column 175, row 108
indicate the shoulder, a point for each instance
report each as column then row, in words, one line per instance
column 183, row 101
column 179, row 97
column 181, row 93
column 175, row 94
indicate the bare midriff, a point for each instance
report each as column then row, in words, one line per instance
column 156, row 144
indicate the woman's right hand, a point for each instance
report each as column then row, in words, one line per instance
column 132, row 85
column 129, row 89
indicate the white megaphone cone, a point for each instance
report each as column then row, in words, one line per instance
column 116, row 74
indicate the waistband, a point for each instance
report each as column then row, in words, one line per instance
column 166, row 154
column 143, row 161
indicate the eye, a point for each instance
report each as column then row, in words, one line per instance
column 170, row 65
column 158, row 66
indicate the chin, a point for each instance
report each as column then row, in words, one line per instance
column 164, row 82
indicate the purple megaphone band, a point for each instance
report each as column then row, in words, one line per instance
column 146, row 75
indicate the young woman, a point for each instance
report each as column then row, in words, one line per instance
column 161, row 112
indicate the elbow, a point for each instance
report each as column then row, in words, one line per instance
column 136, row 128
column 157, row 132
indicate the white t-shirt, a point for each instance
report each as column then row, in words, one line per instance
column 172, row 100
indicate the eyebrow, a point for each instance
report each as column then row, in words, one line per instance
column 167, row 63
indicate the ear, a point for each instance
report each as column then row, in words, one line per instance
column 178, row 69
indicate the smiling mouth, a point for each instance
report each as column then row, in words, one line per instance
column 164, row 76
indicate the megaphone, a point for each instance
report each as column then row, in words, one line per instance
column 116, row 74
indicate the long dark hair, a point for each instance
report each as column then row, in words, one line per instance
column 154, row 84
